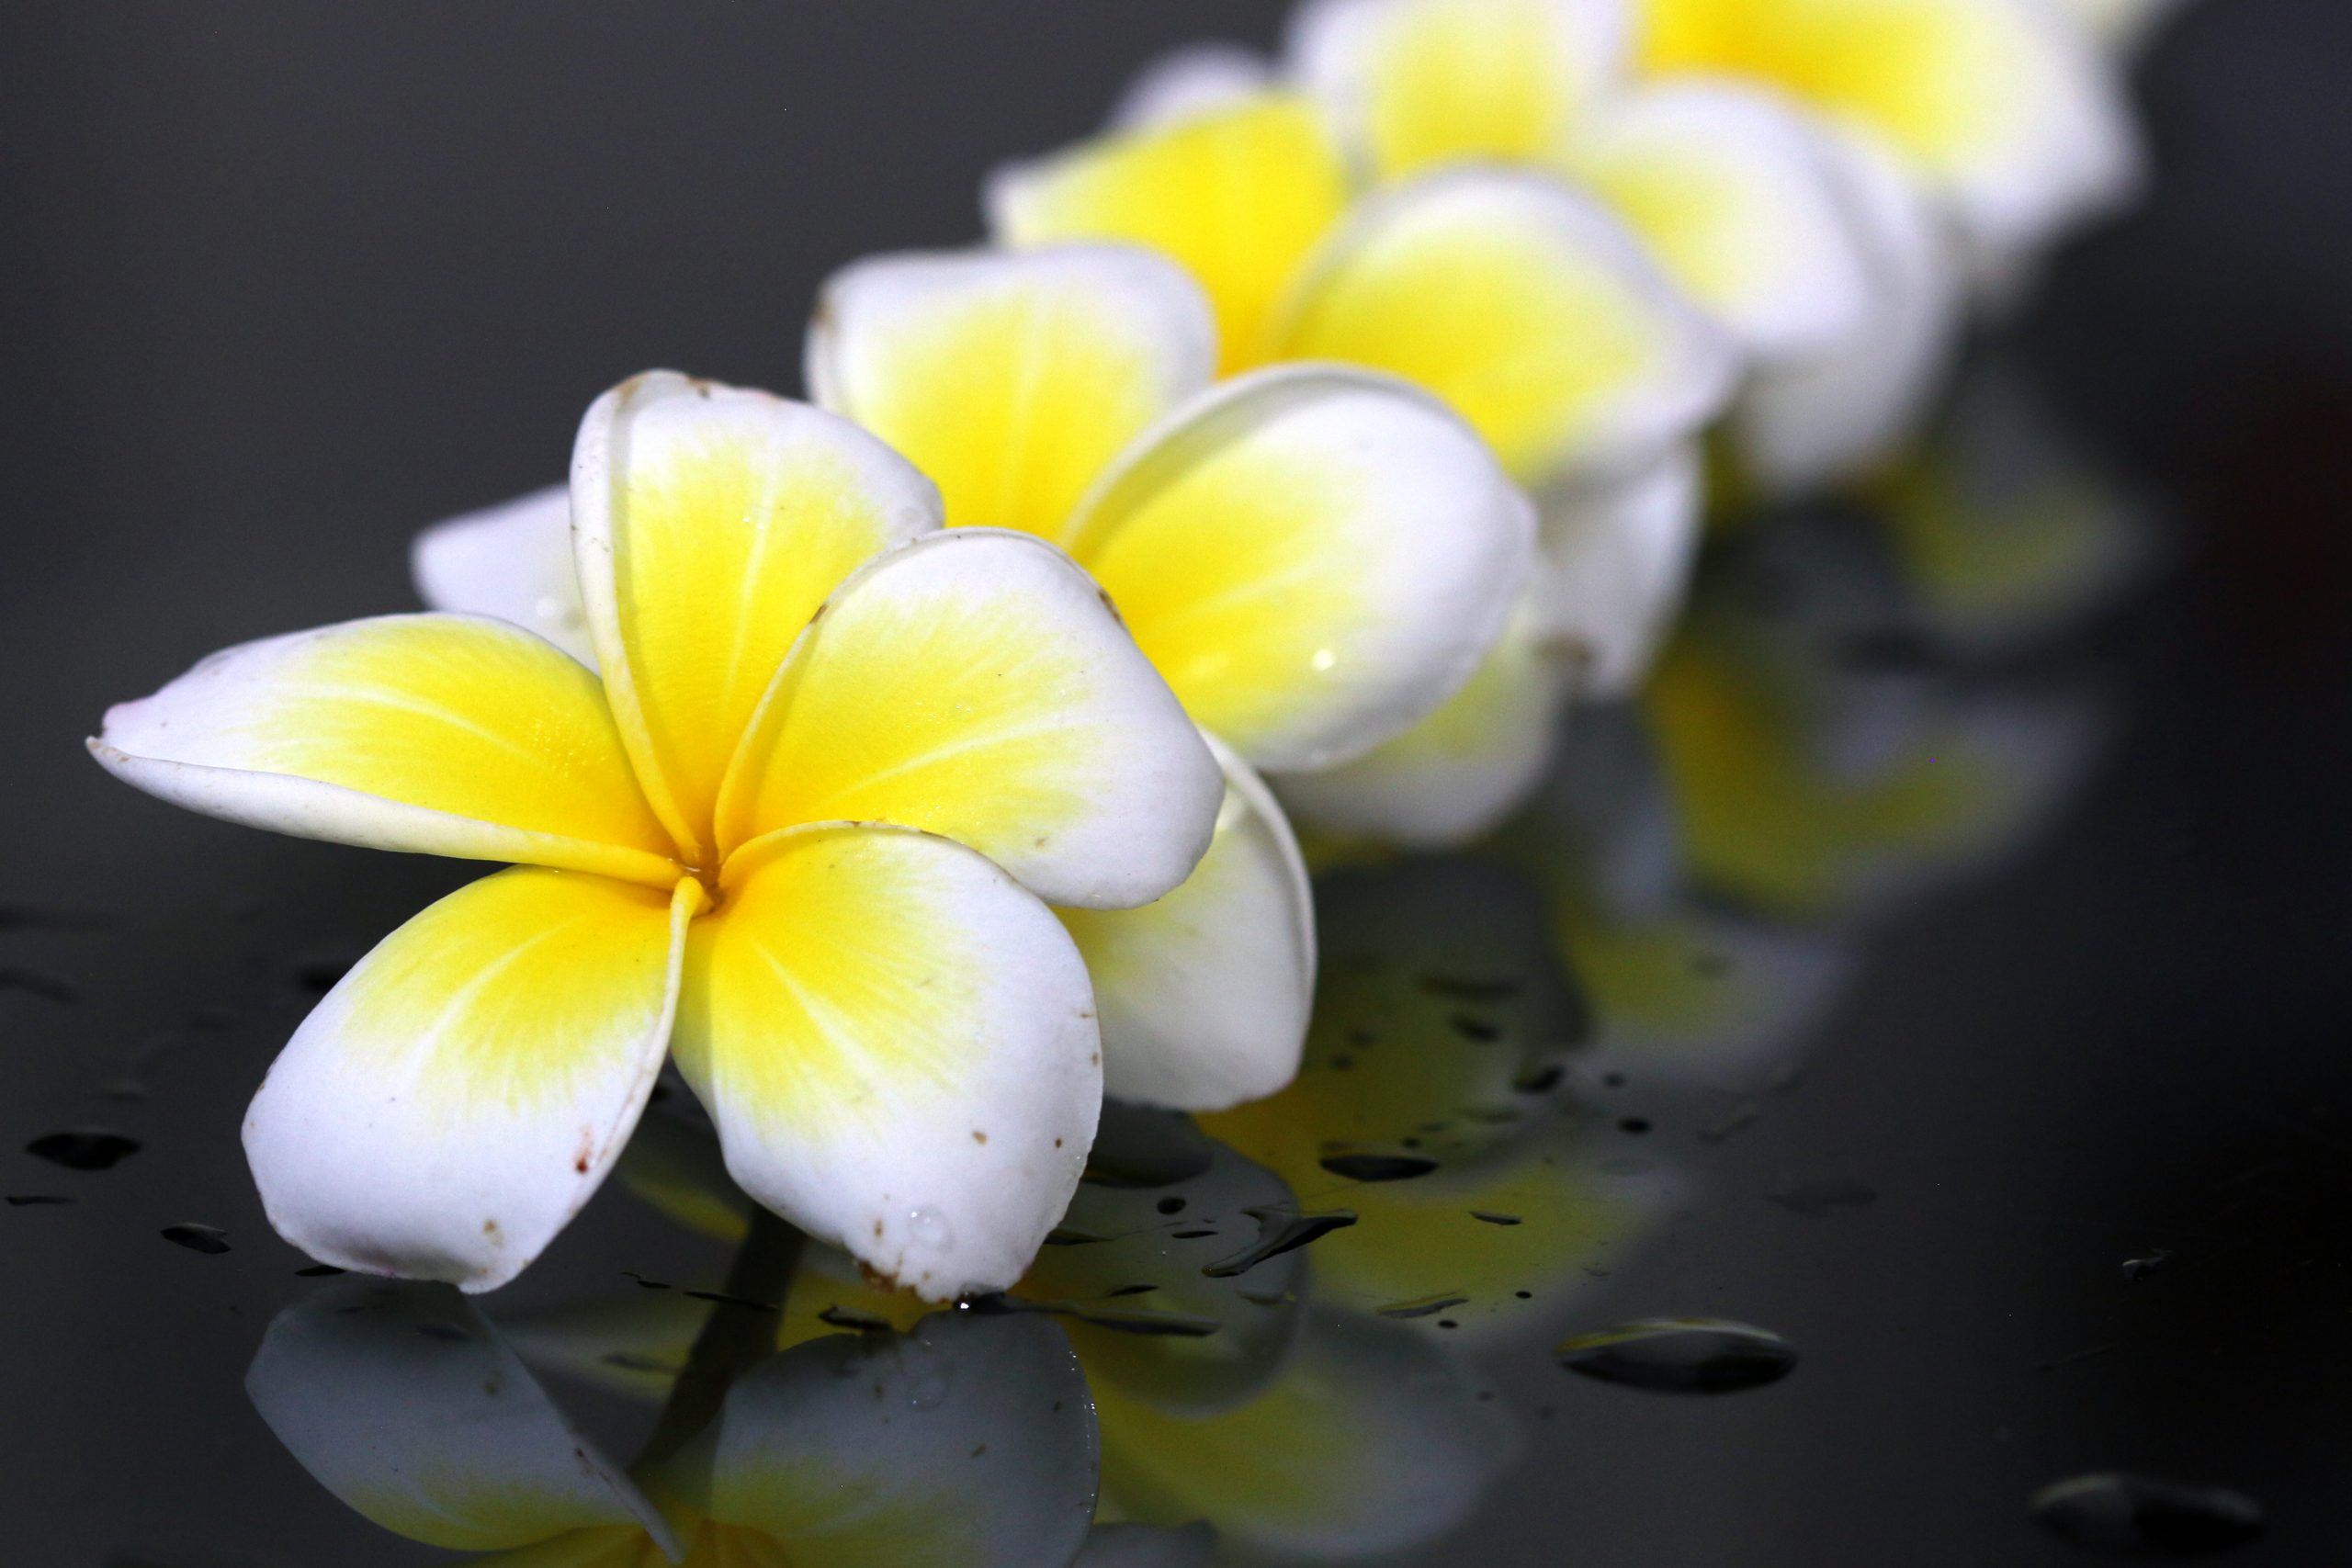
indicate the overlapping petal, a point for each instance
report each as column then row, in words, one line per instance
column 1313, row 556
column 1613, row 566
column 1415, row 84
column 1733, row 191
column 1189, row 80
column 897, row 1044
column 440, row 734
column 1238, row 192
column 1464, row 767
column 511, row 562
column 1011, row 380
column 1822, row 415
column 710, row 523
column 460, row 1093
column 1539, row 317
column 1998, row 105
column 1205, row 994
column 977, row 684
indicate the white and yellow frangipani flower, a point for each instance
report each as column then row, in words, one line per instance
column 1515, row 298
column 1723, row 179
column 2002, row 111
column 1315, row 557
column 1748, row 198
column 801, row 832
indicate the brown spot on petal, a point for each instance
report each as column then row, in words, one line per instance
column 979, row 1136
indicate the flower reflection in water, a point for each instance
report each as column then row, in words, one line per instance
column 1869, row 698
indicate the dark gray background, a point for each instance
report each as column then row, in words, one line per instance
column 284, row 281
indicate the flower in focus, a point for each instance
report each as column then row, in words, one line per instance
column 801, row 832
column 1314, row 556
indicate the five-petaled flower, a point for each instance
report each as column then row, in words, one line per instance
column 803, row 832
column 1314, row 556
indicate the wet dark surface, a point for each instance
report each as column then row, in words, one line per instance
column 1979, row 1027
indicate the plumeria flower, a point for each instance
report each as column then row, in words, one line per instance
column 801, row 832
column 1790, row 230
column 1511, row 294
column 1313, row 556
column 968, row 1443
column 2001, row 111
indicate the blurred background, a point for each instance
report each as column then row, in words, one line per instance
column 283, row 283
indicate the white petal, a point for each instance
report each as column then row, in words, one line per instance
column 978, row 685
column 448, row 1107
column 1314, row 556
column 2074, row 156
column 1527, row 305
column 897, row 1046
column 403, row 1403
column 1188, row 81
column 1205, row 993
column 967, row 1443
column 447, row 735
column 1802, row 424
column 1461, row 770
column 1731, row 184
column 1614, row 562
column 1413, row 84
column 1011, row 379
column 708, row 524
column 511, row 562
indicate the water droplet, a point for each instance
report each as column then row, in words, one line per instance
column 2137, row 1269
column 2137, row 1515
column 1824, row 1194
column 1492, row 1219
column 84, row 1148
column 34, row 1200
column 1279, row 1232
column 857, row 1322
column 198, row 1238
column 1323, row 659
column 1422, row 1306
column 930, row 1228
column 1680, row 1355
column 1378, row 1167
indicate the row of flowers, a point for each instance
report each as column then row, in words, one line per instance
column 916, row 765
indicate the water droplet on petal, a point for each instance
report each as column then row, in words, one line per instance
column 1680, row 1355
column 930, row 1228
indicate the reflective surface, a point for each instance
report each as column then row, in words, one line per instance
column 1935, row 983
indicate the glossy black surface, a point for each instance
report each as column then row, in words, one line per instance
column 2013, row 1095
